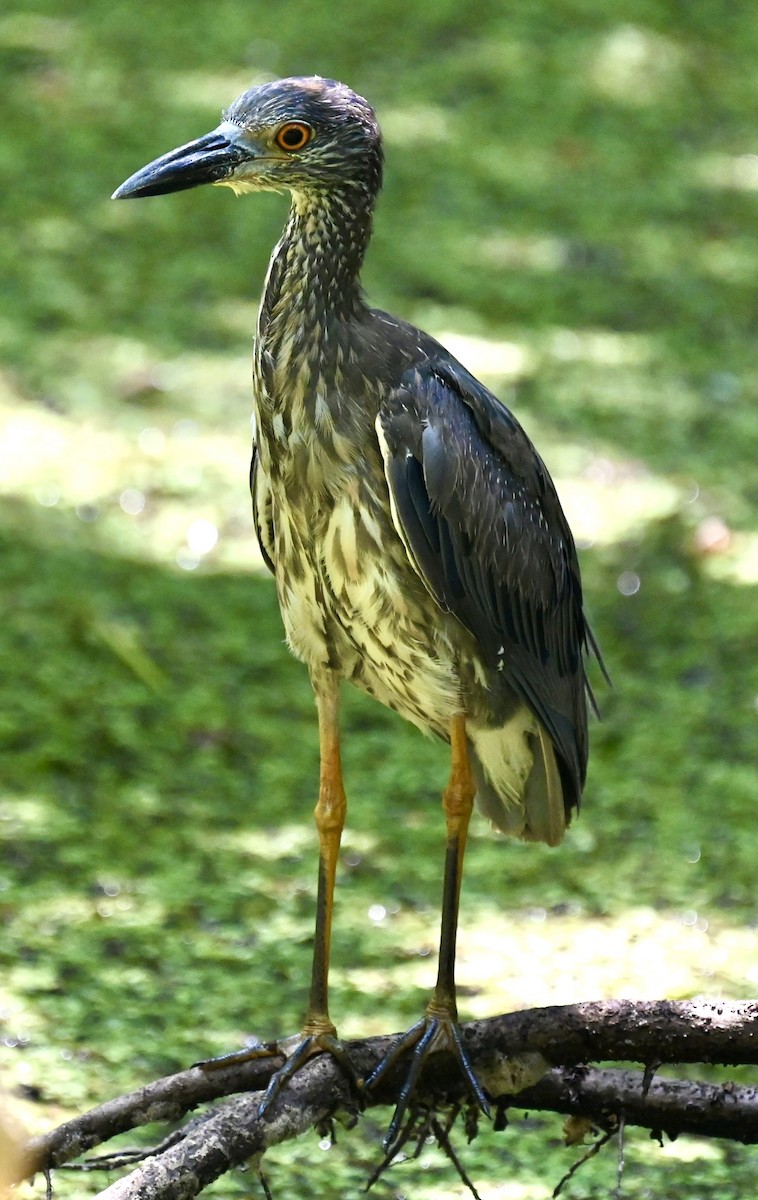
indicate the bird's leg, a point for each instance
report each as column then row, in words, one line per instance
column 318, row 1032
column 457, row 802
column 438, row 1028
column 329, row 814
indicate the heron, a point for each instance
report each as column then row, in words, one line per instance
column 417, row 541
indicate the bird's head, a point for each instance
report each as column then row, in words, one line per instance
column 303, row 135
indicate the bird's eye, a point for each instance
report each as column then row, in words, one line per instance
column 293, row 136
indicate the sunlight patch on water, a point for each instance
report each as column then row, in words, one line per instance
column 731, row 172
column 635, row 66
column 206, row 90
column 507, row 961
column 486, row 356
column 416, row 124
column 692, row 1149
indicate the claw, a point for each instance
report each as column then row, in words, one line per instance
column 432, row 1033
column 294, row 1061
column 298, row 1050
column 295, row 1051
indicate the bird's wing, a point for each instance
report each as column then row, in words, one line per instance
column 262, row 514
column 482, row 524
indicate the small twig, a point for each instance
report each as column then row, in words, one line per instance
column 651, row 1069
column 395, row 1149
column 126, row 1157
column 268, row 1194
column 620, row 1160
column 591, row 1151
column 442, row 1134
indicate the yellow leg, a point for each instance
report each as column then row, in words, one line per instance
column 318, row 1033
column 457, row 803
column 330, row 811
column 438, row 1028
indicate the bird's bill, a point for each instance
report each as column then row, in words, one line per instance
column 210, row 159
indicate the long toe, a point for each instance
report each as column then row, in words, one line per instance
column 435, row 1032
column 243, row 1055
column 298, row 1050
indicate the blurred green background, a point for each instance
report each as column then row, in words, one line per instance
column 572, row 206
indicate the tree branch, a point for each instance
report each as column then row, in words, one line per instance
column 513, row 1054
column 670, row 1106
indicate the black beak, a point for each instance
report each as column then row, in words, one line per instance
column 208, row 160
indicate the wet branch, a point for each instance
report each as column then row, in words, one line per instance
column 537, row 1059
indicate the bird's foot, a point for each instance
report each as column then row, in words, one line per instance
column 438, row 1030
column 302, row 1047
column 296, row 1051
column 246, row 1054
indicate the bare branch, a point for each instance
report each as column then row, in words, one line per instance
column 234, row 1134
column 513, row 1053
column 671, row 1106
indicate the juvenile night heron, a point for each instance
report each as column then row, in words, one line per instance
column 419, row 547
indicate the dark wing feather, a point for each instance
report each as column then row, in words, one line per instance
column 482, row 523
column 262, row 516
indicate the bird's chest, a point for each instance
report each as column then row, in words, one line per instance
column 334, row 554
column 350, row 600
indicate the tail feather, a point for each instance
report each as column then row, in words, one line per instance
column 518, row 781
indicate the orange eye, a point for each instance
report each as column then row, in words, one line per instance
column 293, row 136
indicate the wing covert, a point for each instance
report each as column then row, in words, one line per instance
column 262, row 516
column 482, row 524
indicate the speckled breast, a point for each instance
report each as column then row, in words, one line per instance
column 352, row 603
